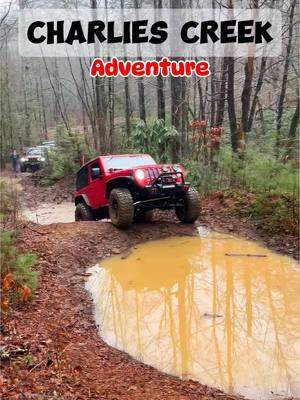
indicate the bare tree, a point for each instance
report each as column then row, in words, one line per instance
column 285, row 73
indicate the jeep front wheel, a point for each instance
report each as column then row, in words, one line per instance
column 121, row 208
column 190, row 210
column 83, row 213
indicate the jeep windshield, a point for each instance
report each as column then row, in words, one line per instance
column 35, row 152
column 113, row 163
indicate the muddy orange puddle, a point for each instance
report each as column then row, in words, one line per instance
column 200, row 308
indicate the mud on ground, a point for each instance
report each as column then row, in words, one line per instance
column 69, row 359
column 55, row 350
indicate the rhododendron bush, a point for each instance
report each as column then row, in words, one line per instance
column 206, row 140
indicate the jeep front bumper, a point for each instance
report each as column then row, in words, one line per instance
column 165, row 192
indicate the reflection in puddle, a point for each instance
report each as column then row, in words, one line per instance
column 185, row 307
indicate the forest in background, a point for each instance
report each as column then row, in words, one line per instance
column 238, row 127
column 236, row 133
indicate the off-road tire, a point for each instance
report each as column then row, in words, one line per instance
column 121, row 208
column 83, row 213
column 23, row 168
column 192, row 208
column 143, row 217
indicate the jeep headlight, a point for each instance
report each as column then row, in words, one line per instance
column 140, row 174
column 42, row 159
column 177, row 168
column 23, row 159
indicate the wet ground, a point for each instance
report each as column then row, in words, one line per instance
column 181, row 331
column 217, row 309
column 35, row 210
column 51, row 213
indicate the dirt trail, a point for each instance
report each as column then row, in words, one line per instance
column 54, row 204
column 70, row 360
column 56, row 331
column 50, row 213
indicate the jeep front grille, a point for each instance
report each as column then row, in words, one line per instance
column 152, row 173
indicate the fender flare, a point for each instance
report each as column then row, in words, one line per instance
column 122, row 181
column 83, row 197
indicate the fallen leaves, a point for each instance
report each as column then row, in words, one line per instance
column 69, row 356
column 10, row 285
column 25, row 292
column 8, row 281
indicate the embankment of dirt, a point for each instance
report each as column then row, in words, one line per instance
column 35, row 195
column 54, row 347
column 218, row 213
column 56, row 332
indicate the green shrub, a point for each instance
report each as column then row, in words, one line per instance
column 275, row 213
column 23, row 273
column 155, row 138
column 256, row 172
column 17, row 277
column 10, row 204
column 65, row 159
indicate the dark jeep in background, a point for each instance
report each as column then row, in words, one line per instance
column 35, row 157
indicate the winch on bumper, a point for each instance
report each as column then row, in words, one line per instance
column 164, row 193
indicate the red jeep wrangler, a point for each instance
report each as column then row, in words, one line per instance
column 126, row 188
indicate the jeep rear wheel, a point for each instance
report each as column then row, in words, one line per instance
column 121, row 208
column 83, row 213
column 190, row 211
column 144, row 216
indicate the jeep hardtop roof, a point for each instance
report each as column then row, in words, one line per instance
column 112, row 156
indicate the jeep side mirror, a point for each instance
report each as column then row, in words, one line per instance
column 96, row 173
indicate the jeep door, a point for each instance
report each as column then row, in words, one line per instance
column 96, row 185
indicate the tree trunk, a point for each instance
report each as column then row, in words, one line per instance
column 111, row 112
column 56, row 95
column 246, row 94
column 176, row 114
column 161, row 111
column 236, row 138
column 140, row 81
column 176, row 100
column 161, row 108
column 184, row 115
column 142, row 108
column 26, row 111
column 222, row 96
column 126, row 89
column 8, row 102
column 212, row 92
column 201, row 101
column 45, row 129
column 293, row 128
column 285, row 76
column 256, row 93
column 100, row 96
